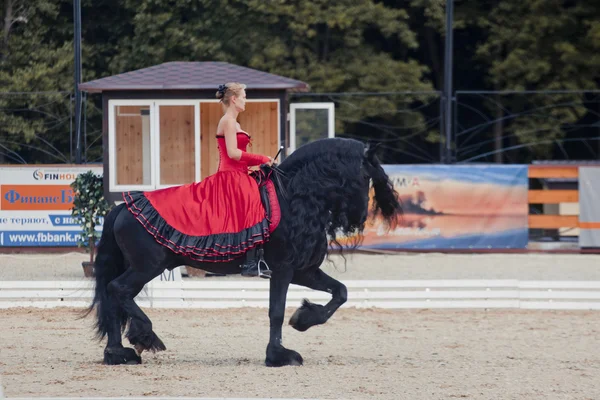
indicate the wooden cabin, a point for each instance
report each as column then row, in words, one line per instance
column 159, row 123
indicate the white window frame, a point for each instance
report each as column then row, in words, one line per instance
column 330, row 107
column 154, row 106
column 198, row 151
column 112, row 145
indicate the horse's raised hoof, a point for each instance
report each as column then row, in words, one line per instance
column 279, row 356
column 309, row 314
column 145, row 340
column 121, row 355
column 139, row 349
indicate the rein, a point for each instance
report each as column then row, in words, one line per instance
column 274, row 173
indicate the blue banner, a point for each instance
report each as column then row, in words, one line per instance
column 457, row 207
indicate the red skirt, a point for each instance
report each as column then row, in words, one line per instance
column 215, row 220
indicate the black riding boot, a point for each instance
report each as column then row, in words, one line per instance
column 253, row 262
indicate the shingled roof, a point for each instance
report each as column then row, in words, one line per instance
column 192, row 76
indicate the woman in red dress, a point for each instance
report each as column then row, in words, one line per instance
column 234, row 161
column 221, row 218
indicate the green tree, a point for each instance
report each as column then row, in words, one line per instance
column 539, row 45
column 33, row 60
column 37, row 56
column 348, row 46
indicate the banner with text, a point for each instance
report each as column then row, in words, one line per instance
column 35, row 205
column 456, row 207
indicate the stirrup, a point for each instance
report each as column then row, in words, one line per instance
column 266, row 273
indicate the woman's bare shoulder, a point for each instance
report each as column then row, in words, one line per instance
column 225, row 121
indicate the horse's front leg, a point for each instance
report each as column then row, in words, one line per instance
column 277, row 355
column 310, row 314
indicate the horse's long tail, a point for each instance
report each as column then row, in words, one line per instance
column 387, row 201
column 109, row 264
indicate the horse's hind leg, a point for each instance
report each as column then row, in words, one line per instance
column 124, row 289
column 111, row 319
column 310, row 314
column 115, row 353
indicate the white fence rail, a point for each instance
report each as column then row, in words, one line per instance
column 573, row 295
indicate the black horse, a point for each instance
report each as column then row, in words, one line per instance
column 323, row 193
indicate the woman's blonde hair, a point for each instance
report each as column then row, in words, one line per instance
column 227, row 90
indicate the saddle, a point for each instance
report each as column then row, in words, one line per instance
column 268, row 194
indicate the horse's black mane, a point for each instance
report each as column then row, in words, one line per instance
column 322, row 151
column 322, row 180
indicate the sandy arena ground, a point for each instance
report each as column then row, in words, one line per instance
column 359, row 354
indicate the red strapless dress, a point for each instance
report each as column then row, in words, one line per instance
column 217, row 219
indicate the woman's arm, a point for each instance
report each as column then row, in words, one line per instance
column 230, row 133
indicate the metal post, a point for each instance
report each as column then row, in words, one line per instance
column 77, row 73
column 84, row 101
column 71, row 128
column 442, row 129
column 448, row 80
column 454, row 102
